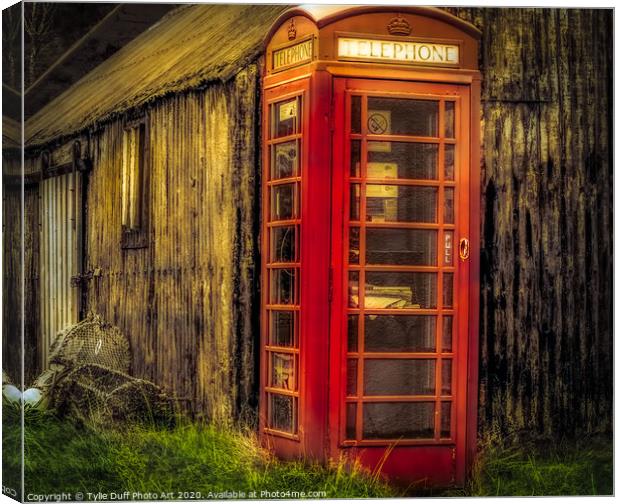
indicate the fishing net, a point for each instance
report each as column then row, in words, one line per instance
column 88, row 378
column 91, row 341
column 101, row 397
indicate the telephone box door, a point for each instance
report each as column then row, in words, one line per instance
column 399, row 322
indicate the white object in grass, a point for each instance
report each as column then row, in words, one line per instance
column 11, row 393
column 32, row 396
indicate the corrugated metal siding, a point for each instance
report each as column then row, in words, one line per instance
column 60, row 212
column 186, row 301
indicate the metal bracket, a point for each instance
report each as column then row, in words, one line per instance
column 83, row 278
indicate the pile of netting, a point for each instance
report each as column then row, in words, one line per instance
column 88, row 379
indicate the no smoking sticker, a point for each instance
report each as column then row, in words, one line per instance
column 377, row 123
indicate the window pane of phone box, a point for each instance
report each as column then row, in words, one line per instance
column 399, row 377
column 407, row 247
column 283, row 413
column 400, row 290
column 400, row 333
column 396, row 116
column 393, row 203
column 398, row 420
column 402, row 160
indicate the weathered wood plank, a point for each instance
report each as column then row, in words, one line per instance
column 546, row 334
column 13, row 272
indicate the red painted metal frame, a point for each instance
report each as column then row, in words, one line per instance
column 444, row 459
column 313, row 261
column 322, row 287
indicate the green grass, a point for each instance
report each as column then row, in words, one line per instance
column 61, row 456
column 527, row 467
column 199, row 458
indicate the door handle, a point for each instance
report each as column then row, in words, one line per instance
column 463, row 248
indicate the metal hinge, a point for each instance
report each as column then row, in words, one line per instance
column 83, row 278
column 453, row 475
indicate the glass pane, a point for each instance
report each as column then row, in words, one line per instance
column 355, row 202
column 392, row 203
column 415, row 420
column 283, row 202
column 352, row 331
column 286, row 118
column 283, row 371
column 448, row 215
column 396, row 116
column 354, row 288
column 354, row 245
column 445, row 419
column 282, row 414
column 283, row 244
column 400, row 290
column 282, row 329
column 446, row 377
column 356, row 114
column 411, row 247
column 351, row 377
column 449, row 120
column 356, row 157
column 399, row 333
column 399, row 377
column 403, row 160
column 449, row 162
column 446, row 339
column 351, row 417
column 448, row 289
column 448, row 247
column 282, row 286
column 285, row 160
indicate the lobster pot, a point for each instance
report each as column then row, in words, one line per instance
column 60, row 228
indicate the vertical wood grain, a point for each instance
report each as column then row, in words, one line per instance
column 186, row 301
column 546, row 300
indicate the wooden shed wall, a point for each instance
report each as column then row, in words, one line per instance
column 546, row 301
column 12, row 275
column 186, row 301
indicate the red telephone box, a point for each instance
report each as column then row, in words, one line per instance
column 370, row 270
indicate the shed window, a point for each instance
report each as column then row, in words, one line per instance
column 134, row 186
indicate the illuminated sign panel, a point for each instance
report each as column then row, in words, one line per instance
column 293, row 55
column 398, row 51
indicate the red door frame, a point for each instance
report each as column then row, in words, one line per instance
column 441, row 462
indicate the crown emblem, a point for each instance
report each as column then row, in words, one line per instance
column 292, row 31
column 399, row 26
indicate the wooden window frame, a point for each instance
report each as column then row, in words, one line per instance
column 137, row 237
